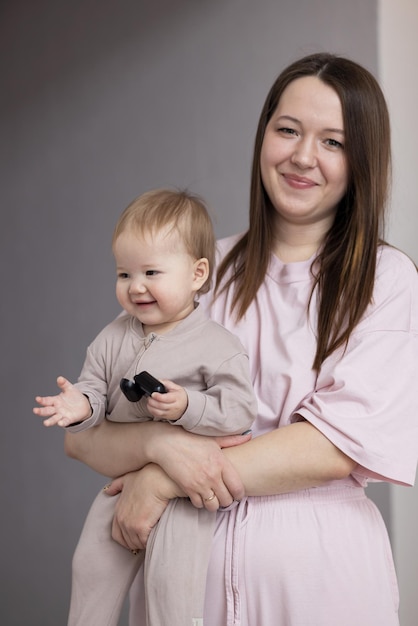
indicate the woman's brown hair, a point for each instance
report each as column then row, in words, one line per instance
column 345, row 268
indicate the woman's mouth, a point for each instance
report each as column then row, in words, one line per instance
column 299, row 182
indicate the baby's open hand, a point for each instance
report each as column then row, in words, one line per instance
column 68, row 407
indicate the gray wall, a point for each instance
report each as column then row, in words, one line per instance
column 101, row 100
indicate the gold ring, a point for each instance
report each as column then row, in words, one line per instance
column 212, row 497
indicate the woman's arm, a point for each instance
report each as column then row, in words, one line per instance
column 297, row 456
column 114, row 449
column 287, row 459
column 111, row 448
column 294, row 457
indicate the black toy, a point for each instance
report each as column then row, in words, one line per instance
column 143, row 384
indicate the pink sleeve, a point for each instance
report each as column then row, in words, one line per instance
column 366, row 399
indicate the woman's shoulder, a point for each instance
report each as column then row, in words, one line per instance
column 395, row 267
column 395, row 293
column 389, row 255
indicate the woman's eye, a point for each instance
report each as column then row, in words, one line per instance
column 333, row 143
column 286, row 131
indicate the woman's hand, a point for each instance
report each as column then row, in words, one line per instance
column 198, row 466
column 144, row 496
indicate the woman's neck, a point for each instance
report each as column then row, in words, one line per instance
column 292, row 253
column 295, row 243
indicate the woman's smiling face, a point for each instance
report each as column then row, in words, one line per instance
column 303, row 164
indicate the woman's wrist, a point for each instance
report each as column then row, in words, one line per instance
column 169, row 488
column 155, row 441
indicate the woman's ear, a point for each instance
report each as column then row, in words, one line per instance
column 201, row 273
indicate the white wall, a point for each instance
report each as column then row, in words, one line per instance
column 398, row 54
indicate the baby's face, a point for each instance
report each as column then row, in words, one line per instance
column 156, row 278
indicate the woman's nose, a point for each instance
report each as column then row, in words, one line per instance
column 304, row 155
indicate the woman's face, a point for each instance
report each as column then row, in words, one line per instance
column 303, row 164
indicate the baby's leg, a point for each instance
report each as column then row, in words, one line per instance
column 176, row 564
column 102, row 569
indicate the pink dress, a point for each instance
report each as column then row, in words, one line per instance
column 320, row 557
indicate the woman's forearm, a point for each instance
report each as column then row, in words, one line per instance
column 291, row 458
column 286, row 459
column 113, row 449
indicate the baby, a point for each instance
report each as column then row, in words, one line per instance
column 164, row 248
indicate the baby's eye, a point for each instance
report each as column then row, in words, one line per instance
column 151, row 273
column 123, row 275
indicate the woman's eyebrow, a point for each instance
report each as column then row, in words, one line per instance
column 295, row 120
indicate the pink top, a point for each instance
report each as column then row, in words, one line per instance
column 319, row 556
column 365, row 399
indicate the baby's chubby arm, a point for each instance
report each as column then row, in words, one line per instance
column 68, row 407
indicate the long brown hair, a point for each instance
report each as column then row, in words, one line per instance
column 346, row 266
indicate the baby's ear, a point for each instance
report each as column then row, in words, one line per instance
column 201, row 272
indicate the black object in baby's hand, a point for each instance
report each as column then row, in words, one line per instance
column 143, row 384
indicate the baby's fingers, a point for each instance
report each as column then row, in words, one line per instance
column 58, row 420
column 64, row 384
column 52, row 421
column 45, row 400
column 43, row 411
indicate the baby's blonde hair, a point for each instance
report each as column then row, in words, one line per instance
column 181, row 211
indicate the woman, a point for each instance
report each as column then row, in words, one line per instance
column 329, row 316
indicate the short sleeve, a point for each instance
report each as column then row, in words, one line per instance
column 366, row 397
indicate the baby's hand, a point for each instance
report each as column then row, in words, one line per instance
column 168, row 406
column 69, row 407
